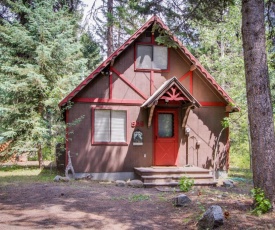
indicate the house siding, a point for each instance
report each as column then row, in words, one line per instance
column 87, row 157
column 204, row 122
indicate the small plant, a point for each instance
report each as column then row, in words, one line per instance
column 185, row 184
column 119, row 198
column 202, row 210
column 162, row 197
column 139, row 197
column 201, row 207
column 262, row 204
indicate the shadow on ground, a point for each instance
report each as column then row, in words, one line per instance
column 26, row 203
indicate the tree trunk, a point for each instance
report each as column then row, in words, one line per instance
column 258, row 97
column 110, row 24
column 40, row 157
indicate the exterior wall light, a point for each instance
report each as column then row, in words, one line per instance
column 187, row 131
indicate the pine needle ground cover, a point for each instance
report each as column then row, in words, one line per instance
column 29, row 199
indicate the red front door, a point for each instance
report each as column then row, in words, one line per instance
column 166, row 137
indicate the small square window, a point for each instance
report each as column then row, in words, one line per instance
column 160, row 54
column 109, row 126
column 152, row 57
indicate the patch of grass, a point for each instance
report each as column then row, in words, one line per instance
column 201, row 207
column 187, row 220
column 24, row 174
column 138, row 197
column 246, row 174
column 119, row 198
column 162, row 196
column 12, row 168
column 202, row 210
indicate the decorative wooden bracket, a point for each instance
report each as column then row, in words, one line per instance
column 112, row 62
column 151, row 113
column 193, row 67
column 187, row 111
column 174, row 94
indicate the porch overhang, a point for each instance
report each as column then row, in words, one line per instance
column 171, row 90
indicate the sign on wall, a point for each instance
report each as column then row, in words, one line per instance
column 137, row 124
column 137, row 137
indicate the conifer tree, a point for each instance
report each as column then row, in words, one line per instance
column 260, row 112
column 220, row 51
column 113, row 22
column 90, row 50
column 40, row 62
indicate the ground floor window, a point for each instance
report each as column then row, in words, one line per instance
column 109, row 126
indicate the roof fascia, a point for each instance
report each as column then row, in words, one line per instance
column 111, row 58
column 185, row 51
column 195, row 62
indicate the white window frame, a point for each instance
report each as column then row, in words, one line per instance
column 152, row 58
column 109, row 126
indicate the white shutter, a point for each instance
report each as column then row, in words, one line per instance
column 160, row 54
column 102, row 126
column 144, row 57
column 118, row 133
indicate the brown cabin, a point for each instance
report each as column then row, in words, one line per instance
column 147, row 107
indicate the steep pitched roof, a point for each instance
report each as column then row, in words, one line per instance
column 151, row 21
column 172, row 82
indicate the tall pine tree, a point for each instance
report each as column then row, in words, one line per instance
column 260, row 112
column 41, row 62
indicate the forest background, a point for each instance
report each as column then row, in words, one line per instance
column 48, row 47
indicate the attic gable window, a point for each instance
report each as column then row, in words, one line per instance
column 151, row 57
column 109, row 126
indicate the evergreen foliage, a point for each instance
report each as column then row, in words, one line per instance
column 219, row 49
column 90, row 50
column 270, row 16
column 180, row 15
column 125, row 21
column 43, row 57
column 41, row 62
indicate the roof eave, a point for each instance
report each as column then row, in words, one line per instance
column 192, row 59
column 104, row 64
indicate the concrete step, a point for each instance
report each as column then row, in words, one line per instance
column 172, row 179
column 177, row 176
column 174, row 184
column 170, row 176
column 170, row 170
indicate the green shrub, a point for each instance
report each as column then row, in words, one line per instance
column 239, row 155
column 185, row 183
column 262, row 204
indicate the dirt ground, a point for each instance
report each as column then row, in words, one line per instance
column 93, row 205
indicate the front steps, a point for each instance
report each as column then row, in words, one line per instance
column 170, row 176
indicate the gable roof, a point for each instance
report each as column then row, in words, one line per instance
column 165, row 87
column 150, row 22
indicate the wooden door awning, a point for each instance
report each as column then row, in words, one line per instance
column 171, row 90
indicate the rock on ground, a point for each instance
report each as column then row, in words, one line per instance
column 181, row 200
column 228, row 183
column 61, row 178
column 120, row 183
column 135, row 183
column 212, row 218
